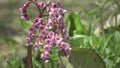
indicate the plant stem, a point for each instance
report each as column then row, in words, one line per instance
column 36, row 4
column 61, row 62
column 29, row 57
column 29, row 48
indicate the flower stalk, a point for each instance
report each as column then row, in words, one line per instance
column 29, row 57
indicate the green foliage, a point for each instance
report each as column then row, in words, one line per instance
column 74, row 24
column 14, row 63
column 80, row 58
column 25, row 25
column 9, row 41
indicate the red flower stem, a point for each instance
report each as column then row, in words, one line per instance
column 40, row 12
column 29, row 57
column 29, row 48
column 44, row 9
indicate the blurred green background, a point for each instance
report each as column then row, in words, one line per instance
column 91, row 24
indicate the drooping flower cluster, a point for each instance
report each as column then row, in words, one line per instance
column 50, row 33
column 23, row 11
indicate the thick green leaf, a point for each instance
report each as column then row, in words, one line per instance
column 84, row 58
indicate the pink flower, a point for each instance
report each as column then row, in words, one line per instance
column 41, row 4
column 46, row 32
column 23, row 11
column 48, row 47
column 45, row 56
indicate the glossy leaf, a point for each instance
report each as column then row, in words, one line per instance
column 84, row 58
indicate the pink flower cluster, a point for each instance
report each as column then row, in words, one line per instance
column 24, row 12
column 50, row 33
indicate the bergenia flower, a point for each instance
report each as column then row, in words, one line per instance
column 48, row 32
